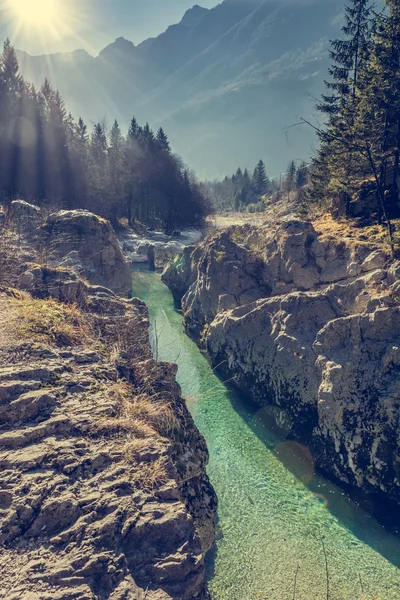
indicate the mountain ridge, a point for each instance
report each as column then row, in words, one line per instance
column 243, row 67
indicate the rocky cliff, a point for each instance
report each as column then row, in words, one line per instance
column 103, row 487
column 308, row 323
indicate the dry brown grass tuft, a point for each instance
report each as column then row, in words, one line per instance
column 135, row 447
column 50, row 321
column 137, row 429
column 154, row 412
column 151, row 475
column 142, row 416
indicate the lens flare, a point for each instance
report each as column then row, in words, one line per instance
column 322, row 502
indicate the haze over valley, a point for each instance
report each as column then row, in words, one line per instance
column 225, row 82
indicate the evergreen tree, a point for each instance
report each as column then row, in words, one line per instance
column 378, row 121
column 349, row 56
column 117, row 169
column 133, row 129
column 260, row 179
column 339, row 155
column 147, row 136
column 290, row 176
column 162, row 140
column 301, row 176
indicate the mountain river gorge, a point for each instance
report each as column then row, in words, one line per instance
column 284, row 531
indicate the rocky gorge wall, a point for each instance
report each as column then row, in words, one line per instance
column 309, row 325
column 104, row 493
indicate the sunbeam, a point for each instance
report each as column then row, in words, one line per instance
column 46, row 19
column 41, row 14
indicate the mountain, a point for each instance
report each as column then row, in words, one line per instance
column 225, row 83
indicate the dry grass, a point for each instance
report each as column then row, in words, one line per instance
column 157, row 414
column 144, row 421
column 135, row 447
column 52, row 322
column 151, row 475
column 350, row 230
column 142, row 416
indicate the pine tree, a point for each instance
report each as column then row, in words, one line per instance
column 301, row 175
column 117, row 169
column 147, row 136
column 290, row 176
column 349, row 56
column 260, row 179
column 378, row 122
column 133, row 129
column 11, row 80
column 339, row 155
column 162, row 140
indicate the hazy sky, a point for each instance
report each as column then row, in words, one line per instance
column 89, row 24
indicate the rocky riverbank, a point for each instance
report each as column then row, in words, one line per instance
column 104, row 493
column 155, row 249
column 308, row 324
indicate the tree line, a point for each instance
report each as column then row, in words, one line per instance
column 359, row 154
column 51, row 159
column 244, row 192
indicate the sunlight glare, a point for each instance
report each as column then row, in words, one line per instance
column 40, row 14
column 36, row 16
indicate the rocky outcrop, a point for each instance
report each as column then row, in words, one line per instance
column 310, row 324
column 154, row 248
column 81, row 239
column 103, row 487
column 24, row 218
column 76, row 240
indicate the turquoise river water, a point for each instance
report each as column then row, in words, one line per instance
column 284, row 532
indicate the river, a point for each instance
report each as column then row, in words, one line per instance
column 284, row 531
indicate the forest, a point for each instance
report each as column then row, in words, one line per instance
column 51, row 159
column 244, row 192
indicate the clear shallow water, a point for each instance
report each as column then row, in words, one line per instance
column 277, row 518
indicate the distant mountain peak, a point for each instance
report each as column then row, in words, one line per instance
column 192, row 15
column 121, row 41
column 120, row 46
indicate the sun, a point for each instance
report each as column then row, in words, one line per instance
column 35, row 14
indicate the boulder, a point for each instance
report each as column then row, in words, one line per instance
column 88, row 243
column 159, row 255
column 180, row 273
column 24, row 218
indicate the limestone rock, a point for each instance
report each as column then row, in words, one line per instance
column 24, row 218
column 159, row 255
column 69, row 234
column 93, row 505
column 317, row 338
